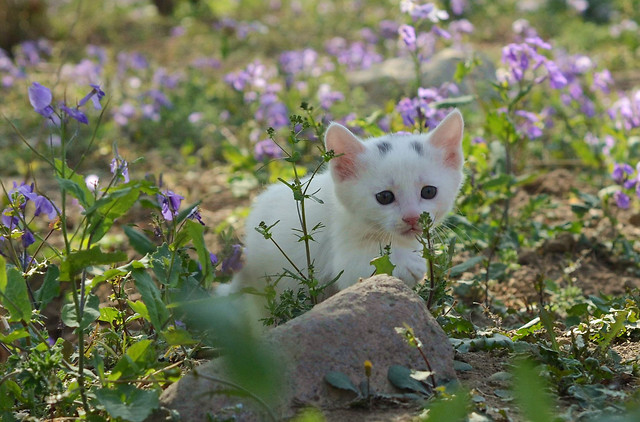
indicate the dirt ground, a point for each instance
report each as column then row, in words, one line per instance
column 567, row 260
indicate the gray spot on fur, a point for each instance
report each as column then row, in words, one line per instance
column 417, row 147
column 384, row 147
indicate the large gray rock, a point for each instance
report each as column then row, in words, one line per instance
column 339, row 334
column 397, row 75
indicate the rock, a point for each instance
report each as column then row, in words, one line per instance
column 339, row 334
column 563, row 243
column 386, row 79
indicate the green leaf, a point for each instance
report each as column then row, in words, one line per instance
column 340, row 380
column 79, row 260
column 158, row 313
column 196, row 232
column 383, row 264
column 13, row 293
column 139, row 307
column 401, row 378
column 548, row 320
column 177, row 337
column 91, row 312
column 498, row 182
column 108, row 314
column 14, row 335
column 76, row 190
column 138, row 357
column 166, row 265
column 458, row 270
column 50, row 288
column 454, row 102
column 107, row 209
column 75, row 184
column 139, row 242
column 128, row 402
column 531, row 395
column 449, row 408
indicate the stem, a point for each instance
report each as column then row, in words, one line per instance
column 424, row 357
column 287, row 258
column 431, row 271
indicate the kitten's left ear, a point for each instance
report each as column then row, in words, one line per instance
column 346, row 147
column 448, row 136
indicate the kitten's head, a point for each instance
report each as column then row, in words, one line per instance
column 387, row 182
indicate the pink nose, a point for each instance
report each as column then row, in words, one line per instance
column 412, row 221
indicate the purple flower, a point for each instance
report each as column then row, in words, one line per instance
column 556, row 79
column 530, row 125
column 120, row 167
column 267, row 150
column 75, row 114
column 538, row 42
column 388, row 29
column 408, row 110
column 27, row 238
column 233, row 262
column 195, row 215
column 620, row 172
column 44, row 206
column 440, row 32
column 40, row 98
column 213, row 258
column 9, row 219
column 170, row 203
column 327, row 97
column 408, row 36
column 622, row 199
column 297, row 61
column 601, row 81
column 458, row 6
column 95, row 95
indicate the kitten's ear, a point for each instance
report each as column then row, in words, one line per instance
column 346, row 147
column 448, row 136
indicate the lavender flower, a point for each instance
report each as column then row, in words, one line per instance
column 408, row 36
column 95, row 95
column 267, row 150
column 357, row 55
column 327, row 97
column 40, row 98
column 524, row 57
column 621, row 172
column 170, row 203
column 458, row 6
column 120, row 168
column 233, row 262
column 75, row 114
column 213, row 258
column 601, row 81
column 622, row 199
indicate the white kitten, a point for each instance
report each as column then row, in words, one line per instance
column 373, row 194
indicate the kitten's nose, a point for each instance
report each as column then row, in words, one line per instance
column 412, row 221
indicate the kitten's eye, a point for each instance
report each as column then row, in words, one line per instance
column 429, row 192
column 385, row 197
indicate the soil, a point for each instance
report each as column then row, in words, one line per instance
column 568, row 260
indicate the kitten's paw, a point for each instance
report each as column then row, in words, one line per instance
column 410, row 267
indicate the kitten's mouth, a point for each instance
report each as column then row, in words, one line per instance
column 412, row 231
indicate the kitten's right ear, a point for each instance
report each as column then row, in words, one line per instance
column 346, row 147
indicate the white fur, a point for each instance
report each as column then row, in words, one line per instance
column 356, row 226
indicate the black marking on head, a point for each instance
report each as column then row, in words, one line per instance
column 384, row 147
column 417, row 147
